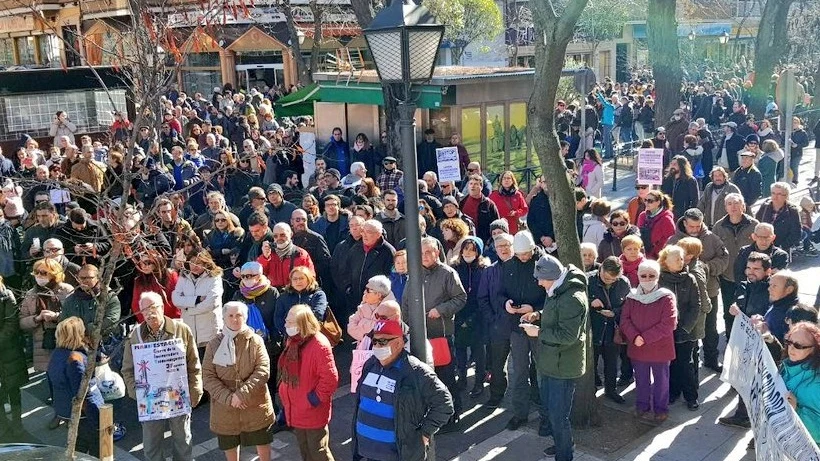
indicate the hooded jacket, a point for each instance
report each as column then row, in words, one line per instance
column 714, row 255
column 685, row 288
column 564, row 327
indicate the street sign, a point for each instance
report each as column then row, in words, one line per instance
column 788, row 92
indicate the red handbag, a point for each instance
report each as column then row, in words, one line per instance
column 441, row 352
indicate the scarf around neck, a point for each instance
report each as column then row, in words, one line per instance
column 289, row 360
column 225, row 355
column 256, row 290
column 284, row 252
column 587, row 168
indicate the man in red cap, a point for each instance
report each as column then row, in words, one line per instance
column 394, row 380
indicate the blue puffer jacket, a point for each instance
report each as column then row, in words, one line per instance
column 804, row 382
column 608, row 115
column 317, row 300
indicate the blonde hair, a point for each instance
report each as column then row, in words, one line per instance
column 630, row 240
column 71, row 333
column 312, row 284
column 670, row 250
column 54, row 269
column 305, row 319
column 691, row 246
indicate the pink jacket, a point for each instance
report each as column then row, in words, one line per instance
column 654, row 317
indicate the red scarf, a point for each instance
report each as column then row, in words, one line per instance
column 289, row 360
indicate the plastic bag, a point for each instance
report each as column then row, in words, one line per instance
column 256, row 323
column 109, row 383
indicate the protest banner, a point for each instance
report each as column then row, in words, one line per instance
column 448, row 166
column 750, row 369
column 650, row 166
column 161, row 376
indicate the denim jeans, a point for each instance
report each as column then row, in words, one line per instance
column 626, row 134
column 794, row 165
column 606, row 140
column 556, row 396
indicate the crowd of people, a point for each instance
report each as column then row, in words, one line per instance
column 224, row 243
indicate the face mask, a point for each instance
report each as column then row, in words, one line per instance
column 382, row 353
column 249, row 282
column 42, row 281
column 292, row 331
column 648, row 286
column 468, row 259
column 282, row 245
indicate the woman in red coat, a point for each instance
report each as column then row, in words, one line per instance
column 152, row 275
column 511, row 203
column 648, row 321
column 307, row 380
column 656, row 222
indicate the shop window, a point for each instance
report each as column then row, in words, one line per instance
column 441, row 123
column 496, row 145
column 6, row 52
column 518, row 138
column 25, row 48
column 49, row 50
column 471, row 131
column 201, row 81
column 202, row 60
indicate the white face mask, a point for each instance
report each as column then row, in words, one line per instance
column 382, row 353
column 648, row 286
column 249, row 282
column 292, row 331
column 468, row 259
column 42, row 281
column 282, row 245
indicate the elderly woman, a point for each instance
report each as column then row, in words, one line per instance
column 307, row 380
column 648, row 322
column 65, row 372
column 620, row 226
column 676, row 278
column 302, row 289
column 235, row 373
column 198, row 295
column 377, row 291
column 13, row 372
column 801, row 373
column 41, row 307
column 631, row 258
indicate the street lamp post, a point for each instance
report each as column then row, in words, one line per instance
column 723, row 39
column 404, row 39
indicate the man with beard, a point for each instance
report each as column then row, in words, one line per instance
column 391, row 177
column 170, row 224
column 279, row 259
column 333, row 224
column 83, row 303
column 47, row 224
column 392, row 220
column 293, row 192
column 711, row 201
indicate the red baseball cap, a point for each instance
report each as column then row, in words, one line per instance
column 388, row 328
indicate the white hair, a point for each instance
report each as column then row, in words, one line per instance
column 782, row 185
column 283, row 226
column 373, row 224
column 53, row 243
column 649, row 265
column 357, row 166
column 734, row 197
column 151, row 299
column 589, row 246
column 238, row 305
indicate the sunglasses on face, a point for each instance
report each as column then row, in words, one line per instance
column 618, row 223
column 39, row 273
column 641, row 187
column 649, row 200
column 798, row 346
column 471, row 170
column 248, row 276
column 382, row 341
column 220, row 220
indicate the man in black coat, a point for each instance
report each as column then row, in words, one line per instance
column 82, row 239
column 313, row 243
column 426, row 153
column 763, row 242
column 539, row 218
column 372, row 256
column 781, row 214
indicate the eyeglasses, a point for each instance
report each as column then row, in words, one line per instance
column 472, row 170
column 649, row 200
column 648, row 276
column 248, row 276
column 382, row 341
column 618, row 224
column 52, row 250
column 641, row 187
column 220, row 220
column 798, row 346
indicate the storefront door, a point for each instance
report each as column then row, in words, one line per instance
column 260, row 75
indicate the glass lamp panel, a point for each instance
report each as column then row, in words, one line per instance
column 386, row 50
column 423, row 48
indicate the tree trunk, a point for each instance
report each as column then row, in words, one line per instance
column 553, row 34
column 302, row 69
column 664, row 57
column 318, row 19
column 768, row 48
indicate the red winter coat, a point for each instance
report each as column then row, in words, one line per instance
column 505, row 204
column 630, row 270
column 655, row 320
column 659, row 229
column 277, row 269
column 317, row 375
column 143, row 283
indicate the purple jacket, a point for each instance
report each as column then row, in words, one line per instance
column 654, row 317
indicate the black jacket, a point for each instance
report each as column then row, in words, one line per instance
column 780, row 259
column 750, row 183
column 734, row 145
column 487, row 213
column 613, row 298
column 687, row 297
column 684, row 193
column 266, row 303
column 422, row 405
column 519, row 285
column 316, row 247
column 539, row 218
column 91, row 234
column 491, row 301
column 787, row 225
column 753, row 297
column 362, row 266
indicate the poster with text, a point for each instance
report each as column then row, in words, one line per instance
column 650, row 167
column 161, row 377
column 448, row 167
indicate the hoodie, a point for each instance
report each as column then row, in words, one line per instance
column 564, row 326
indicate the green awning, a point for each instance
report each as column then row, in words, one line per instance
column 371, row 93
column 298, row 103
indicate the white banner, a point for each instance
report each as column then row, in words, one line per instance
column 750, row 369
column 448, row 166
column 161, row 376
column 650, row 166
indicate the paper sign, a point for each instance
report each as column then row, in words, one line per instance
column 59, row 196
column 359, row 358
column 161, row 376
column 650, row 166
column 448, row 165
column 749, row 368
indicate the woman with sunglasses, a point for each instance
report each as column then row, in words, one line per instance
column 656, row 223
column 648, row 322
column 153, row 274
column 41, row 307
column 225, row 237
column 377, row 291
column 619, row 227
column 198, row 295
column 636, row 205
column 801, row 373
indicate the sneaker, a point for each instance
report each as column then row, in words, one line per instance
column 615, row 397
column 735, row 421
column 623, row 382
column 551, row 450
column 119, row 432
column 515, row 423
column 692, row 405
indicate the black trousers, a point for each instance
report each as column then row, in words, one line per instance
column 626, row 364
column 710, row 341
column 499, row 352
column 727, row 295
column 610, row 353
column 447, row 375
column 682, row 372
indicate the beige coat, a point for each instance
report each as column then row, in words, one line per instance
column 173, row 329
column 247, row 378
column 29, row 309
